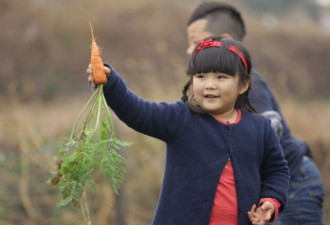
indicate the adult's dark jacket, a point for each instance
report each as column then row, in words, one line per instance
column 263, row 100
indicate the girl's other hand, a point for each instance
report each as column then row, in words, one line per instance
column 266, row 210
column 255, row 217
column 262, row 214
column 89, row 71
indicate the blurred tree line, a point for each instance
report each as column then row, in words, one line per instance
column 45, row 46
column 282, row 7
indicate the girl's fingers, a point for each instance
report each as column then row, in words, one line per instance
column 107, row 70
column 250, row 216
column 89, row 69
column 90, row 78
column 253, row 217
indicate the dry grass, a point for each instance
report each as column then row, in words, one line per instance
column 36, row 125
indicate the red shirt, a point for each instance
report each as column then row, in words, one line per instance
column 224, row 210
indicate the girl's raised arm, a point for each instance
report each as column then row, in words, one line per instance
column 160, row 120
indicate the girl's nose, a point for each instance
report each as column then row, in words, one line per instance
column 211, row 84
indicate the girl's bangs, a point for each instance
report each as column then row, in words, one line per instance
column 213, row 60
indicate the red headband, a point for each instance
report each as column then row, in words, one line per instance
column 240, row 55
column 209, row 43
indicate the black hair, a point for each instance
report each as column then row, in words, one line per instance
column 220, row 60
column 221, row 18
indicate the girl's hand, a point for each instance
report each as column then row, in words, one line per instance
column 254, row 217
column 262, row 214
column 89, row 71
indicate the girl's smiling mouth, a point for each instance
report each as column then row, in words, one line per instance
column 211, row 96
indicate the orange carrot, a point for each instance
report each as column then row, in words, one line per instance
column 99, row 75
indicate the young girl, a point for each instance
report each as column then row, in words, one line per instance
column 222, row 159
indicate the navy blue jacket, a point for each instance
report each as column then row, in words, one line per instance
column 198, row 147
column 263, row 100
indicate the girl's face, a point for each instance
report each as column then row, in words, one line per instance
column 216, row 93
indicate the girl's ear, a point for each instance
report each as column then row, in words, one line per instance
column 244, row 87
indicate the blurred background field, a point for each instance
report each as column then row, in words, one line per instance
column 45, row 47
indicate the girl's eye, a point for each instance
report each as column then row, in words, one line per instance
column 221, row 77
column 199, row 75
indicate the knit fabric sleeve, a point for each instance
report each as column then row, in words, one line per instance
column 274, row 170
column 160, row 120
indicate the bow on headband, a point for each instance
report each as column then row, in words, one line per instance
column 209, row 43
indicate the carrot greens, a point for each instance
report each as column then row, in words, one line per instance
column 88, row 153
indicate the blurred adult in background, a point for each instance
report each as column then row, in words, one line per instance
column 306, row 194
